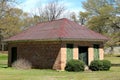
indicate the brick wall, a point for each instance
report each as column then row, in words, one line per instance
column 51, row 55
column 42, row 55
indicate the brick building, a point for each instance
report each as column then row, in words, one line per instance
column 50, row 45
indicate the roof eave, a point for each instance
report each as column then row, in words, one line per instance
column 58, row 39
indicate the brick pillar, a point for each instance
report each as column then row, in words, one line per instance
column 101, row 52
column 90, row 54
column 75, row 52
column 63, row 57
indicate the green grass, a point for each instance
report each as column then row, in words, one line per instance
column 12, row 74
column 38, row 74
column 3, row 60
column 3, row 56
column 115, row 59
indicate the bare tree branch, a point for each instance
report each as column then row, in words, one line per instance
column 52, row 11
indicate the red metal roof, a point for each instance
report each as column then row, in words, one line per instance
column 63, row 29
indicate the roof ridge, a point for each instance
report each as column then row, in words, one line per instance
column 51, row 21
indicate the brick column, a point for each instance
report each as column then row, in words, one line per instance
column 101, row 53
column 75, row 52
column 63, row 57
column 90, row 54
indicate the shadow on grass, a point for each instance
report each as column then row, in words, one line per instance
column 118, row 56
column 3, row 66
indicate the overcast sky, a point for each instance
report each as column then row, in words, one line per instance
column 31, row 5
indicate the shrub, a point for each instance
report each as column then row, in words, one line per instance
column 22, row 64
column 95, row 65
column 106, row 65
column 75, row 65
column 100, row 65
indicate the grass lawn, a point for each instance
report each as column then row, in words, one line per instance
column 3, row 60
column 115, row 59
column 37, row 74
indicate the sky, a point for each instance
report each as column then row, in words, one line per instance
column 31, row 5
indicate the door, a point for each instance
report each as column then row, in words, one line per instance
column 83, row 54
column 69, row 52
column 13, row 54
column 96, row 52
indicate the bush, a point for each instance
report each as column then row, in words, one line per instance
column 106, row 65
column 75, row 65
column 100, row 65
column 95, row 65
column 22, row 64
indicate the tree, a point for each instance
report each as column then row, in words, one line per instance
column 103, row 9
column 52, row 11
column 83, row 17
column 12, row 23
column 12, row 20
column 104, row 18
column 4, row 11
column 73, row 17
column 5, row 6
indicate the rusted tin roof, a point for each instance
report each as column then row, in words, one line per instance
column 63, row 29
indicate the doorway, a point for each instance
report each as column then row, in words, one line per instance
column 83, row 54
column 13, row 54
